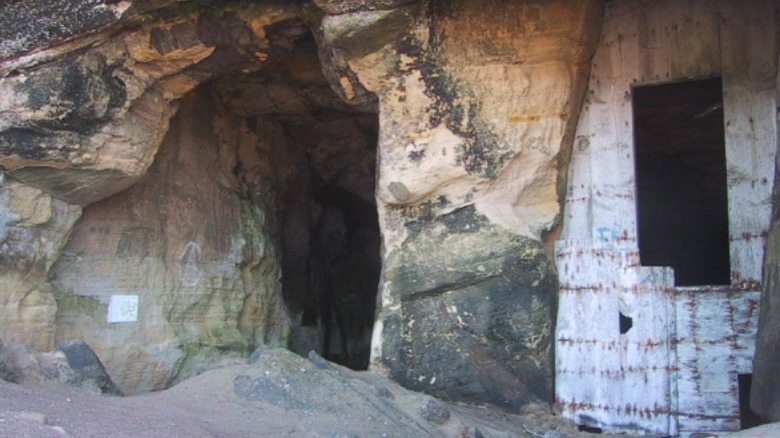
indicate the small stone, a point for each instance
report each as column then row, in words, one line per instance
column 37, row 417
column 257, row 354
column 435, row 412
column 85, row 363
column 265, row 389
column 473, row 432
column 319, row 361
column 399, row 191
column 384, row 393
column 58, row 429
column 8, row 369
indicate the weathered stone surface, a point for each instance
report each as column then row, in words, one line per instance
column 325, row 178
column 83, row 361
column 480, row 331
column 477, row 105
column 281, row 378
column 477, row 114
column 335, row 7
column 8, row 369
column 87, row 125
column 194, row 242
column 33, row 228
column 28, row 25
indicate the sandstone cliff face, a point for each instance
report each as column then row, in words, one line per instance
column 33, row 228
column 194, row 241
column 477, row 106
column 478, row 103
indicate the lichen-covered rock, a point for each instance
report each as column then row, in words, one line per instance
column 343, row 6
column 475, row 314
column 477, row 115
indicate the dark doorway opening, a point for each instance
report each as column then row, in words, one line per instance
column 682, row 205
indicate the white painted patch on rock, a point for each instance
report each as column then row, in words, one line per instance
column 123, row 308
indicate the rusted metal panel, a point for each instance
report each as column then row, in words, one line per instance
column 679, row 360
column 745, row 306
column 587, row 343
column 641, row 42
column 707, row 388
column 715, row 342
column 605, row 379
column 667, row 39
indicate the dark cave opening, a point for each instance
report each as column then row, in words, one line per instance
column 330, row 271
column 682, row 205
column 329, row 230
column 345, row 259
column 320, row 161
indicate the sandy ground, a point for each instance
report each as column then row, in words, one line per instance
column 281, row 395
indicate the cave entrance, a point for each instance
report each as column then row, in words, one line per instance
column 324, row 166
column 682, row 202
column 343, row 272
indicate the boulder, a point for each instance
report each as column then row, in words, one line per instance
column 8, row 369
column 86, row 366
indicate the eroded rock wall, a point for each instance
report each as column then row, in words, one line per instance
column 195, row 240
column 478, row 103
column 85, row 108
column 33, row 228
column 88, row 124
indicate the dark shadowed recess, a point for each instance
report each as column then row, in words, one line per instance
column 681, row 180
column 330, row 235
